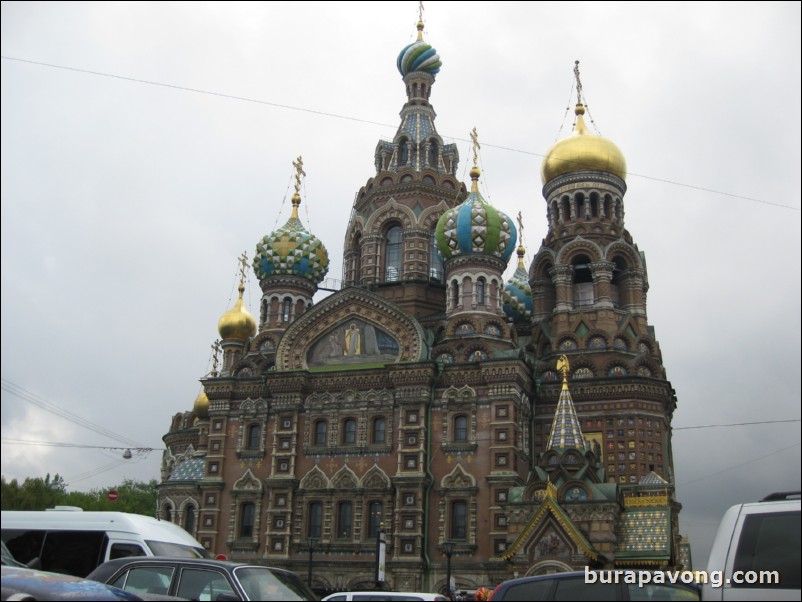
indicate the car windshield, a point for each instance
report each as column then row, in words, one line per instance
column 261, row 583
column 176, row 550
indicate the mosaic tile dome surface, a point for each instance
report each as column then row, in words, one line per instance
column 291, row 251
column 517, row 297
column 475, row 227
column 418, row 56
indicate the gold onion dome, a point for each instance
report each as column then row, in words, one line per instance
column 201, row 407
column 582, row 151
column 237, row 323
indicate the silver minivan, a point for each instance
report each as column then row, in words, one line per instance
column 756, row 551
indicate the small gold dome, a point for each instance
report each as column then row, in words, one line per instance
column 237, row 323
column 582, row 151
column 201, row 407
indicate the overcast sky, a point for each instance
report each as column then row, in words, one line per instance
column 126, row 204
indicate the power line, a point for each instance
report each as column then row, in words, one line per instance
column 774, row 453
column 79, row 445
column 709, row 426
column 44, row 404
column 366, row 121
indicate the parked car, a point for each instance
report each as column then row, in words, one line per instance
column 202, row 579
column 755, row 542
column 380, row 596
column 574, row 586
column 27, row 584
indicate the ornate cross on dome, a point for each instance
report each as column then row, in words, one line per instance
column 243, row 260
column 476, row 147
column 215, row 352
column 298, row 164
column 578, row 83
column 420, row 21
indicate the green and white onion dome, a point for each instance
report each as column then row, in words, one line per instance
column 418, row 56
column 291, row 251
column 475, row 227
column 517, row 295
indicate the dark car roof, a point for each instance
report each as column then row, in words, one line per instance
column 111, row 566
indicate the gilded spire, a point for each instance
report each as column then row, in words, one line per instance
column 578, row 84
column 420, row 21
column 565, row 429
column 475, row 171
column 298, row 164
column 521, row 249
column 243, row 262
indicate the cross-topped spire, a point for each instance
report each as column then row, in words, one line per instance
column 420, row 21
column 475, row 147
column 215, row 353
column 243, row 261
column 298, row 164
column 578, row 83
column 563, row 367
column 565, row 429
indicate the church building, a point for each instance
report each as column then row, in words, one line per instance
column 480, row 429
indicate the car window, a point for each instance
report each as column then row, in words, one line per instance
column 336, row 598
column 197, row 584
column 262, row 583
column 145, row 580
column 770, row 542
column 531, row 590
column 175, row 550
column 577, row 589
column 652, row 591
column 124, row 550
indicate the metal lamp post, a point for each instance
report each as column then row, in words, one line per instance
column 448, row 550
column 311, row 542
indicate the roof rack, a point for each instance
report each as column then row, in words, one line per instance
column 782, row 495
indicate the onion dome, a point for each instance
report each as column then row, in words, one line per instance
column 237, row 323
column 582, row 151
column 201, row 407
column 291, row 251
column 419, row 56
column 517, row 295
column 475, row 227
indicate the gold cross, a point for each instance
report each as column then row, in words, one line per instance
column 243, row 262
column 476, row 147
column 298, row 164
column 578, row 83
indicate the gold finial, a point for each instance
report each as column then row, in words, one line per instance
column 215, row 352
column 298, row 164
column 420, row 21
column 475, row 171
column 563, row 366
column 521, row 249
column 243, row 260
column 551, row 489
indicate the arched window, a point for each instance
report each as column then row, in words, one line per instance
column 375, row 516
column 454, row 294
column 189, row 519
column 321, row 428
column 286, row 309
column 379, row 430
column 583, row 282
column 392, row 257
column 246, row 519
column 403, row 152
column 459, row 520
column 168, row 513
column 315, row 519
column 480, row 291
column 357, row 251
column 254, row 436
column 349, row 431
column 461, row 428
column 433, row 154
column 344, row 519
column 435, row 261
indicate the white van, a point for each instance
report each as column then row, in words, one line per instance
column 68, row 540
column 756, row 551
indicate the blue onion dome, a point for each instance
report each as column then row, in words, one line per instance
column 517, row 295
column 237, row 323
column 291, row 251
column 475, row 227
column 419, row 56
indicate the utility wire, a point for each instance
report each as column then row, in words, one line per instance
column 44, row 404
column 709, row 426
column 369, row 122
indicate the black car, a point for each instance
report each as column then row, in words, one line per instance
column 575, row 586
column 202, row 579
